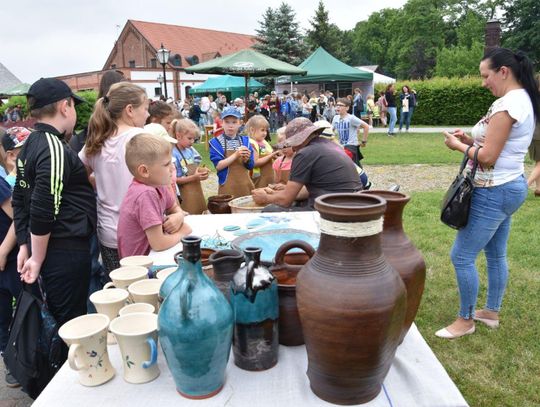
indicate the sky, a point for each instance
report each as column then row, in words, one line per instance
column 58, row 37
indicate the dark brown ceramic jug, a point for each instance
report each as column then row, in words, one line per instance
column 351, row 302
column 401, row 253
column 290, row 328
column 219, row 203
column 225, row 264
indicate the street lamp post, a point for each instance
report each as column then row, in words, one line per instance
column 160, row 81
column 162, row 55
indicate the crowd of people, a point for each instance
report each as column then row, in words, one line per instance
column 73, row 206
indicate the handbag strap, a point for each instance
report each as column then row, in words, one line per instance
column 466, row 160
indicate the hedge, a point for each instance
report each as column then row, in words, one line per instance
column 84, row 110
column 444, row 101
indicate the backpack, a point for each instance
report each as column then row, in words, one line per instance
column 34, row 352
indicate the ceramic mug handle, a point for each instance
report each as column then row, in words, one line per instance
column 153, row 353
column 71, row 357
column 110, row 284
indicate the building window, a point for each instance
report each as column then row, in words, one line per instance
column 157, row 91
column 113, row 66
column 176, row 60
column 132, row 64
column 153, row 63
column 192, row 60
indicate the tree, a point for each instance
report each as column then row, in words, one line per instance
column 326, row 35
column 522, row 21
column 279, row 35
column 459, row 60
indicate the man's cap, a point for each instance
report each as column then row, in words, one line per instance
column 50, row 90
column 157, row 129
column 14, row 138
column 300, row 131
column 231, row 111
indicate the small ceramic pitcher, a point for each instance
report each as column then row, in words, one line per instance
column 142, row 261
column 86, row 337
column 109, row 302
column 146, row 291
column 122, row 277
column 136, row 308
column 137, row 337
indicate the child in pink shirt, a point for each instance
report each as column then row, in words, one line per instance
column 150, row 217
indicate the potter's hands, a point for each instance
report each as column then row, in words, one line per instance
column 277, row 187
column 451, row 140
column 260, row 197
column 173, row 222
column 30, row 270
column 202, row 173
column 244, row 153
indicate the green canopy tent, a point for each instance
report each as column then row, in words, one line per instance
column 233, row 85
column 17, row 90
column 246, row 63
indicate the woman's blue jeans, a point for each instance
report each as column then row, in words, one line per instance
column 392, row 111
column 404, row 117
column 488, row 229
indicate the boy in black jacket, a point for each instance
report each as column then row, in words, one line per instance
column 53, row 203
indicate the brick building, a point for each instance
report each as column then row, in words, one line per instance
column 134, row 53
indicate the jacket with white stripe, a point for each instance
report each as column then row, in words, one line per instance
column 52, row 193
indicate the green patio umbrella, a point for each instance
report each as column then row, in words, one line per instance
column 246, row 63
column 17, row 90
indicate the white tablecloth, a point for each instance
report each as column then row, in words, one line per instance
column 416, row 377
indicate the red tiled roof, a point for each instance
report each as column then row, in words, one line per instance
column 188, row 41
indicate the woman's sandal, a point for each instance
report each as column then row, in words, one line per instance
column 446, row 334
column 537, row 193
column 491, row 323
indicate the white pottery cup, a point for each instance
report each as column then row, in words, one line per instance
column 146, row 291
column 109, row 302
column 166, row 272
column 142, row 261
column 137, row 337
column 122, row 277
column 137, row 307
column 86, row 337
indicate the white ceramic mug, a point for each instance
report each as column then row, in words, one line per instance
column 109, row 302
column 137, row 337
column 166, row 272
column 86, row 337
column 137, row 307
column 122, row 277
column 146, row 291
column 142, row 261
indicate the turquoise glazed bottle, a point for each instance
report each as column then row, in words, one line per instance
column 195, row 326
column 172, row 280
column 254, row 298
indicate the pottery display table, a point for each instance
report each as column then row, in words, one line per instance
column 416, row 377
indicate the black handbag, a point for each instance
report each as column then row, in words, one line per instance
column 457, row 200
column 34, row 352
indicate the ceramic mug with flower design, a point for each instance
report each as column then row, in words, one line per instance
column 137, row 337
column 86, row 337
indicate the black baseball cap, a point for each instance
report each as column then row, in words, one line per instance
column 49, row 90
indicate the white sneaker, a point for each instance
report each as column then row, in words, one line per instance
column 370, row 127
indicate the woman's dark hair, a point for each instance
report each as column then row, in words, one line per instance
column 408, row 89
column 522, row 68
column 108, row 79
column 158, row 110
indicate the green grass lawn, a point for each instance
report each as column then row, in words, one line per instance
column 491, row 367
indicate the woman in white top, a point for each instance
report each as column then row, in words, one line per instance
column 117, row 117
column 501, row 138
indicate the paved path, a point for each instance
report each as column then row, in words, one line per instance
column 11, row 397
column 439, row 129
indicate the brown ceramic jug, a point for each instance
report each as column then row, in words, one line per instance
column 225, row 264
column 219, row 203
column 290, row 328
column 401, row 253
column 351, row 302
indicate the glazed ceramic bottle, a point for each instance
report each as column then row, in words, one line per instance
column 351, row 301
column 401, row 253
column 254, row 298
column 172, row 280
column 195, row 328
column 225, row 263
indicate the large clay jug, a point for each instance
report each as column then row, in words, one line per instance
column 254, row 299
column 219, row 203
column 401, row 253
column 351, row 301
column 290, row 328
column 225, row 264
column 195, row 328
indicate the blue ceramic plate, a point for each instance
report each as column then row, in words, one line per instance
column 271, row 240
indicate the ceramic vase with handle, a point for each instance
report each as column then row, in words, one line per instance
column 351, row 302
column 401, row 253
column 195, row 328
column 225, row 263
column 254, row 298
